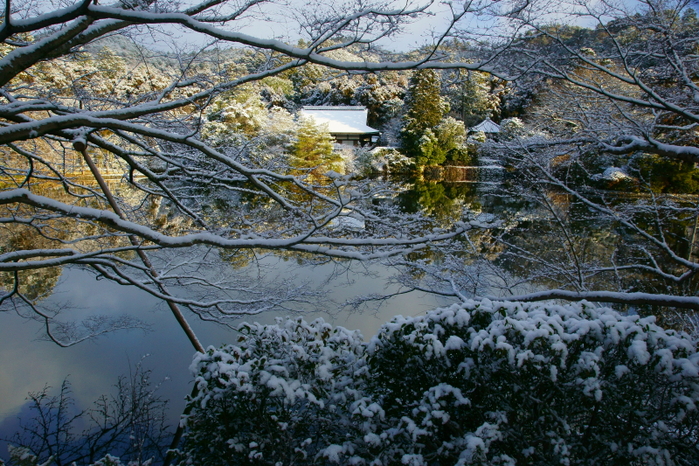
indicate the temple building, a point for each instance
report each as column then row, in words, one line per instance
column 488, row 126
column 346, row 124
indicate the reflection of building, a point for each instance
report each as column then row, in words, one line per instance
column 346, row 124
column 488, row 126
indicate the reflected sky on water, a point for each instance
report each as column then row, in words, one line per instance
column 29, row 361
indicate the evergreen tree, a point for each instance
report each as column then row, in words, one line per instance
column 312, row 152
column 443, row 143
column 476, row 97
column 425, row 109
column 237, row 114
column 451, row 135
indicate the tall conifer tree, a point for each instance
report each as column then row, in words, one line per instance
column 425, row 109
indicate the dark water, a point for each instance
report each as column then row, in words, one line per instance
column 29, row 362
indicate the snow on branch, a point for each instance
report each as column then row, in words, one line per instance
column 326, row 245
column 682, row 302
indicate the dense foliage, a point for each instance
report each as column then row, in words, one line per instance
column 281, row 394
column 476, row 383
column 312, row 151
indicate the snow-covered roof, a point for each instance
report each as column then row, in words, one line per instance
column 487, row 126
column 340, row 120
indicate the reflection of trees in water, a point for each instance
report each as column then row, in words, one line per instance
column 217, row 283
column 31, row 234
column 548, row 239
column 566, row 244
column 34, row 285
column 542, row 239
column 525, row 240
column 131, row 423
column 39, row 283
column 552, row 247
column 445, row 202
column 223, row 283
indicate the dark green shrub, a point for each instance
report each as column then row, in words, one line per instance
column 478, row 383
column 282, row 395
column 665, row 175
column 505, row 383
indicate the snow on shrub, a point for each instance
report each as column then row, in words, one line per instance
column 477, row 383
column 281, row 395
column 23, row 456
column 515, row 383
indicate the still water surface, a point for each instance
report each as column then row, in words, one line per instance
column 29, row 361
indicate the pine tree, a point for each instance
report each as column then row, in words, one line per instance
column 312, row 152
column 425, row 109
column 473, row 101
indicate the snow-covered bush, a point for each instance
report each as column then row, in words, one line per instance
column 512, row 127
column 348, row 156
column 480, row 383
column 477, row 137
column 22, row 456
column 384, row 160
column 281, row 395
column 511, row 383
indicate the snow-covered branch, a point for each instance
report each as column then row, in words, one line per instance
column 303, row 242
column 634, row 299
column 108, row 162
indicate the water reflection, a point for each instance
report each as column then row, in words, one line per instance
column 546, row 239
column 29, row 362
column 543, row 235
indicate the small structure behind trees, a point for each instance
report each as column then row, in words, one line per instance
column 488, row 126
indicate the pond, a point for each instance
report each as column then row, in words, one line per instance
column 531, row 239
column 30, row 362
